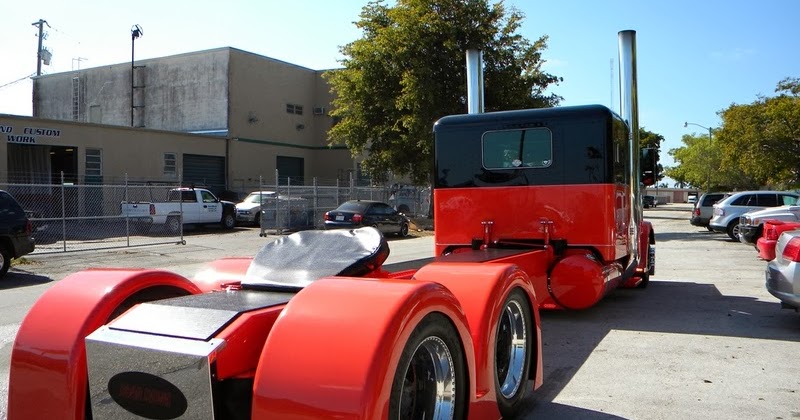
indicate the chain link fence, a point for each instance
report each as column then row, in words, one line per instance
column 290, row 205
column 69, row 217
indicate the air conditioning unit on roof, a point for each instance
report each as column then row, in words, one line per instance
column 318, row 110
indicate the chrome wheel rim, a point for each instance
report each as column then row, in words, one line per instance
column 429, row 385
column 512, row 337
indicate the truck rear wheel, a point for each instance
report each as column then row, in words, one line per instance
column 174, row 225
column 512, row 354
column 431, row 377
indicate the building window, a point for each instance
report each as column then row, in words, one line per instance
column 94, row 163
column 170, row 164
column 294, row 109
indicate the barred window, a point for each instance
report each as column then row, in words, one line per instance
column 170, row 164
column 94, row 162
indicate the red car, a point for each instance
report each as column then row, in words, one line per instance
column 772, row 230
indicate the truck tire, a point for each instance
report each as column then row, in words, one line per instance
column 431, row 377
column 228, row 221
column 5, row 259
column 174, row 225
column 512, row 354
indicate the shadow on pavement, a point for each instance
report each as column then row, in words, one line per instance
column 16, row 278
column 570, row 337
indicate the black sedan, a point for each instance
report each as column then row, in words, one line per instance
column 358, row 213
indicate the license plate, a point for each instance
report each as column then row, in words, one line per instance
column 339, row 218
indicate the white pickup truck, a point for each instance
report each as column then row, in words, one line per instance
column 196, row 206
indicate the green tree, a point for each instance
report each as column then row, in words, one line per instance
column 760, row 142
column 408, row 70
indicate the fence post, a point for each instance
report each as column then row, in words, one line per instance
column 351, row 188
column 315, row 203
column 127, row 214
column 63, row 213
column 277, row 205
column 261, row 218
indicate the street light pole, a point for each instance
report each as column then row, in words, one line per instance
column 710, row 140
column 136, row 32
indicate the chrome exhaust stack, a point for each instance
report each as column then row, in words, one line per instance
column 629, row 109
column 474, row 81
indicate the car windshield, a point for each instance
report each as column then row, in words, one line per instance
column 258, row 197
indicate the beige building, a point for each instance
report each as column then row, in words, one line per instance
column 221, row 117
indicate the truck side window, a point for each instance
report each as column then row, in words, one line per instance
column 208, row 197
column 529, row 148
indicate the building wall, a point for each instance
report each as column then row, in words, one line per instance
column 240, row 96
column 261, row 128
column 137, row 152
column 186, row 92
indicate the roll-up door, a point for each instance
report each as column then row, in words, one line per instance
column 204, row 171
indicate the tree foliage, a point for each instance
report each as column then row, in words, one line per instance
column 762, row 140
column 757, row 146
column 408, row 70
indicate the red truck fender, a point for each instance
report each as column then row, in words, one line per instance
column 336, row 349
column 48, row 373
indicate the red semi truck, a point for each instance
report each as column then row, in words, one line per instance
column 533, row 209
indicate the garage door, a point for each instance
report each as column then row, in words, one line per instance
column 204, row 171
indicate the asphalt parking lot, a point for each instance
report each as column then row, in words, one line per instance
column 703, row 341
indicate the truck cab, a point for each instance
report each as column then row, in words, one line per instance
column 558, row 179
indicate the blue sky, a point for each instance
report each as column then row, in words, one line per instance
column 695, row 57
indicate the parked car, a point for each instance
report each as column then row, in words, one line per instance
column 692, row 199
column 248, row 211
column 751, row 224
column 704, row 209
column 783, row 273
column 769, row 238
column 650, row 201
column 15, row 232
column 357, row 213
column 727, row 212
column 272, row 210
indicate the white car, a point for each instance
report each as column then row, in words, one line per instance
column 249, row 210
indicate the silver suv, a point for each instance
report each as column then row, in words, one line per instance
column 727, row 212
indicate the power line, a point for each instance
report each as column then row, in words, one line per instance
column 18, row 80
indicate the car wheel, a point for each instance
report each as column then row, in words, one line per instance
column 512, row 354
column 174, row 225
column 431, row 377
column 403, row 230
column 257, row 219
column 733, row 230
column 228, row 221
column 5, row 260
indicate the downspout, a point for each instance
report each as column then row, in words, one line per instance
column 629, row 108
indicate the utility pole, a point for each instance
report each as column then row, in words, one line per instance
column 40, row 24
